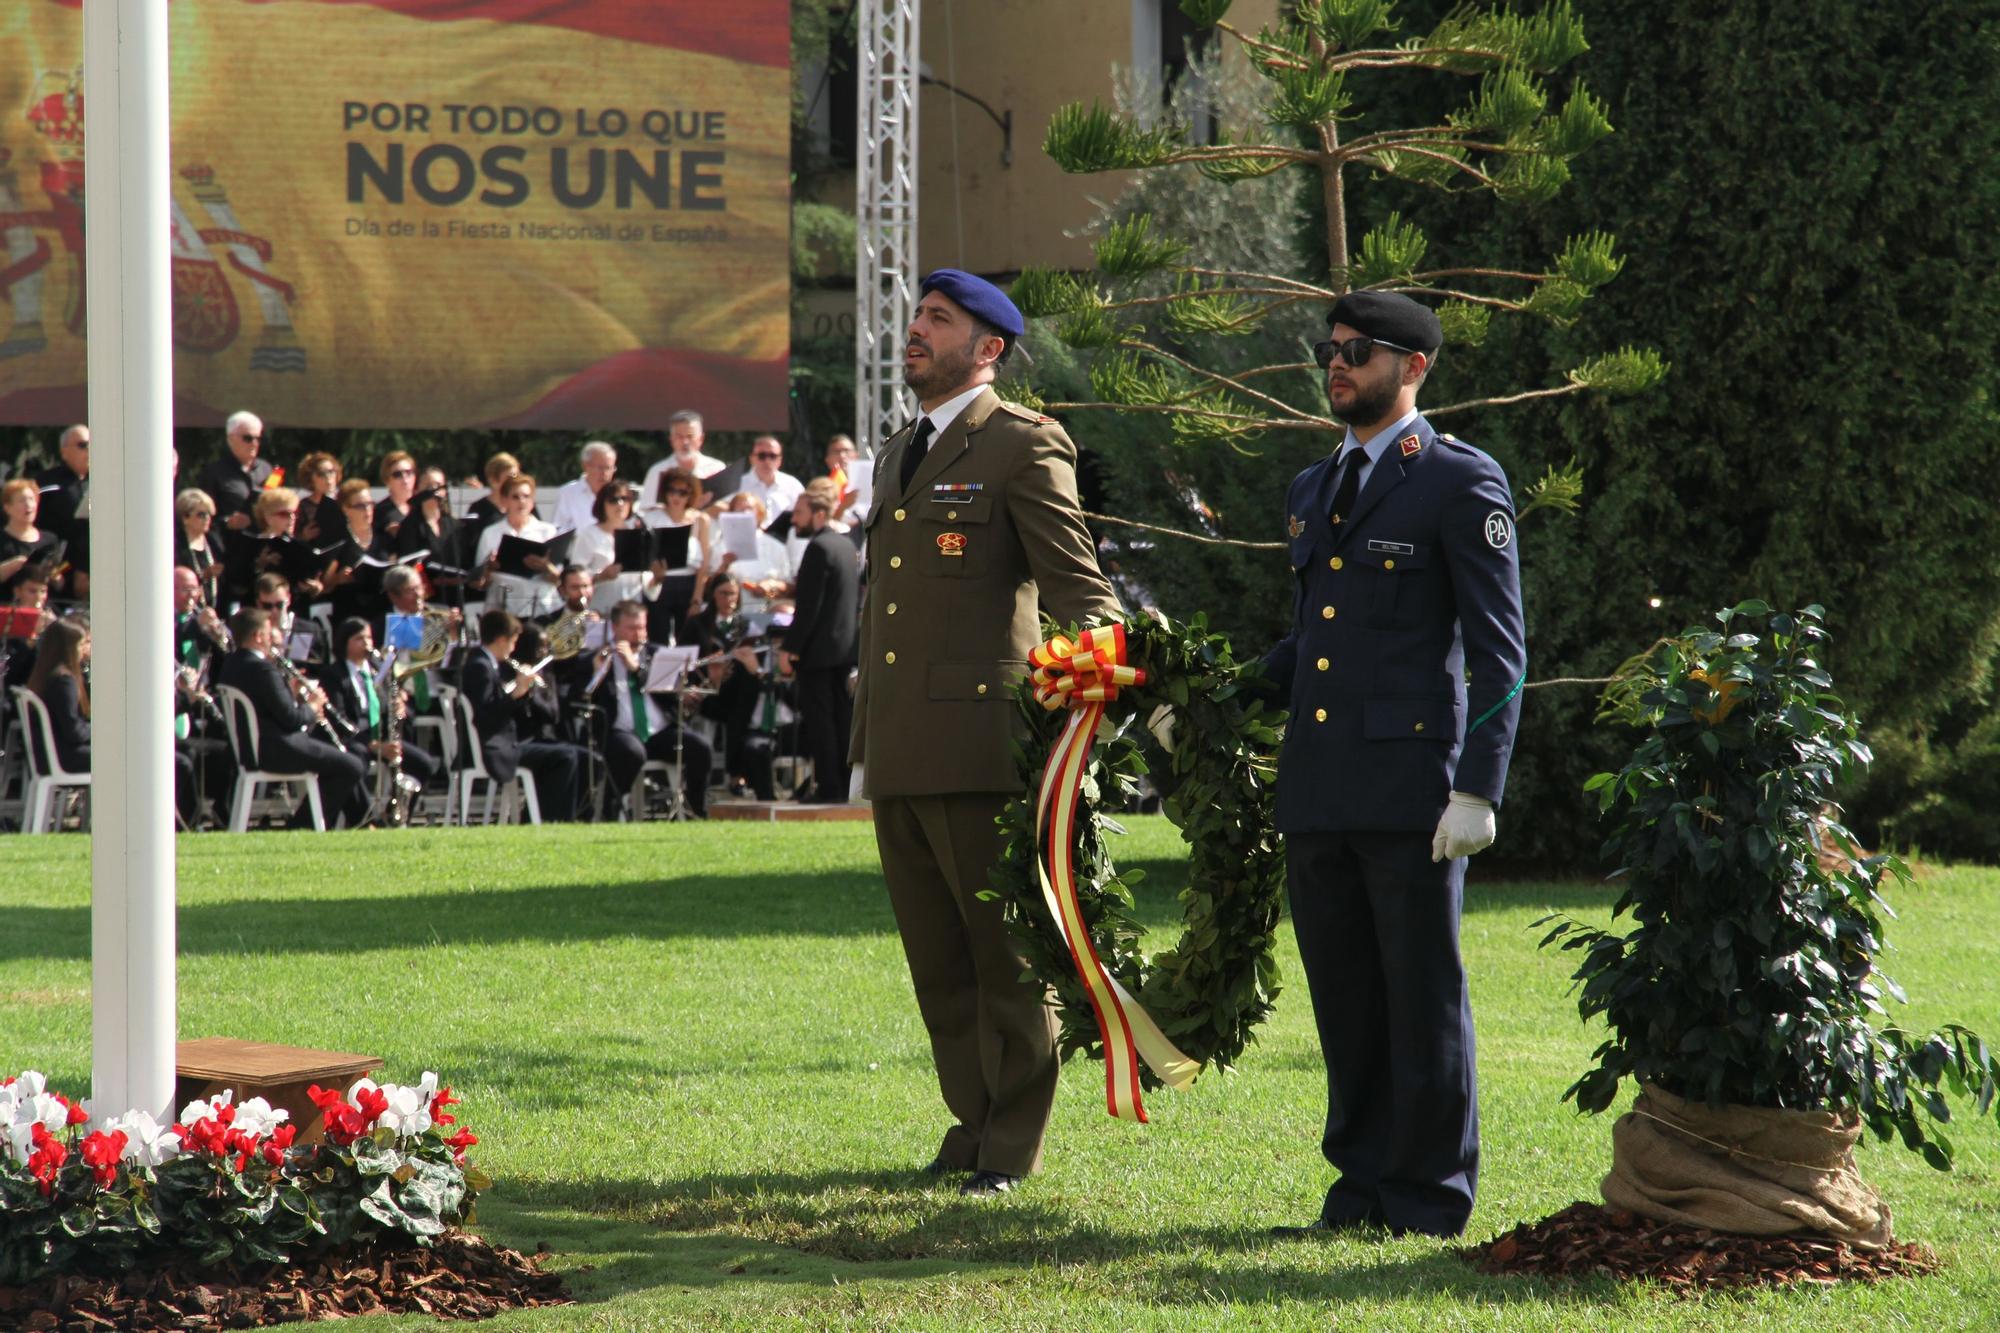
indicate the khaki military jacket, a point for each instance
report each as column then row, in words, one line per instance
column 989, row 527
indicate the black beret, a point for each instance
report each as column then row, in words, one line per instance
column 1390, row 317
column 980, row 297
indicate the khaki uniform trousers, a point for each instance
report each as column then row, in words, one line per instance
column 992, row 1035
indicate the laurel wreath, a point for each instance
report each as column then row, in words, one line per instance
column 1217, row 983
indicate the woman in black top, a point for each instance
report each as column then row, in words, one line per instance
column 20, row 540
column 196, row 543
column 430, row 527
column 57, row 681
column 355, row 591
column 399, row 478
column 319, row 513
column 484, row 512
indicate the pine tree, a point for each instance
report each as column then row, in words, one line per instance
column 1152, row 311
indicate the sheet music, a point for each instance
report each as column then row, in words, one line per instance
column 669, row 665
column 739, row 535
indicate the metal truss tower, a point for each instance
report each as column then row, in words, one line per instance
column 885, row 210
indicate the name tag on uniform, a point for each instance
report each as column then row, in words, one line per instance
column 1392, row 548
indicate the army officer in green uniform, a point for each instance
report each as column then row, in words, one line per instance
column 975, row 524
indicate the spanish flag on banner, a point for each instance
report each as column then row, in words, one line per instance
column 440, row 213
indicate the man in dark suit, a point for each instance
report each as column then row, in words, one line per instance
column 497, row 691
column 65, row 506
column 285, row 721
column 818, row 651
column 234, row 479
column 975, row 526
column 1403, row 670
column 633, row 725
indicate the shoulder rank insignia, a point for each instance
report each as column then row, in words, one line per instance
column 1296, row 526
column 1411, row 445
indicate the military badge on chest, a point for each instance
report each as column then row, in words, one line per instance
column 1296, row 526
column 951, row 543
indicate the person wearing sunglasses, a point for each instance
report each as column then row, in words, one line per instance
column 399, row 479
column 777, row 490
column 234, row 479
column 1402, row 672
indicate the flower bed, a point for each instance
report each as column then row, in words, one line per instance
column 227, row 1185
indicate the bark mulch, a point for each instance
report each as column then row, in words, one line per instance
column 462, row 1277
column 1588, row 1239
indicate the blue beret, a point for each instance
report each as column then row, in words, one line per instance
column 1390, row 316
column 979, row 297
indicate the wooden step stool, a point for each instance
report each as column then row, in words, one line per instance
column 279, row 1074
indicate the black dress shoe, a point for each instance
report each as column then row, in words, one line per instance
column 940, row 1168
column 1321, row 1227
column 986, row 1184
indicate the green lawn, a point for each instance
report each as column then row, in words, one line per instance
column 698, row 1074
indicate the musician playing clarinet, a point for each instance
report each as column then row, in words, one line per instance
column 633, row 725
column 288, row 714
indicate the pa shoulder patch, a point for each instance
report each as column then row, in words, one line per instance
column 1499, row 529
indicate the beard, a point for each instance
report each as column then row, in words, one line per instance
column 943, row 370
column 1368, row 405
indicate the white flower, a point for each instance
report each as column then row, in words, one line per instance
column 258, row 1117
column 409, row 1110
column 354, row 1093
column 30, row 1084
column 147, row 1142
column 195, row 1112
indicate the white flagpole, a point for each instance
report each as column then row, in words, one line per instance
column 130, row 364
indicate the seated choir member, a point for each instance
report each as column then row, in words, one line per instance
column 498, row 692
column 738, row 682
column 354, row 690
column 287, row 721
column 633, row 725
column 31, row 593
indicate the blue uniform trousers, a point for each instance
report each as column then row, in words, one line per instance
column 1377, row 925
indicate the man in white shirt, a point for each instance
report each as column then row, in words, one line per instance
column 685, row 434
column 777, row 491
column 574, row 500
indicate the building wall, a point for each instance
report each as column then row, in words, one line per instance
column 1027, row 58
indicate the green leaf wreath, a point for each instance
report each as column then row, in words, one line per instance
column 1212, row 988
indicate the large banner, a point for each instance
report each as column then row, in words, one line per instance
column 428, row 213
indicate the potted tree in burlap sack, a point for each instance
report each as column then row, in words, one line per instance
column 1744, row 998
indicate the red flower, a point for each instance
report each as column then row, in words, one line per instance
column 48, row 1157
column 324, row 1098
column 77, row 1115
column 210, row 1136
column 279, row 1140
column 459, row 1142
column 101, row 1153
column 443, row 1099
column 373, row 1102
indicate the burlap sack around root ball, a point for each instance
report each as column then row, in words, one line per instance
column 1747, row 1170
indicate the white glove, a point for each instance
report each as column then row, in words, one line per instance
column 1161, row 724
column 1467, row 827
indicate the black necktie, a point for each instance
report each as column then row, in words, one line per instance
column 913, row 456
column 1349, row 483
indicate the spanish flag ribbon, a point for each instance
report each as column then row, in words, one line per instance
column 1083, row 675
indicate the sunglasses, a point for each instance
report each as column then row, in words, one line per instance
column 283, row 513
column 1355, row 351
column 618, row 499
column 403, row 472
column 251, row 439
column 767, row 455
column 271, row 606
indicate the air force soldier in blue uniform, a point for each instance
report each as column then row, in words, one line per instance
column 1403, row 670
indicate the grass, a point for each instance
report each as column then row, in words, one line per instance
column 698, row 1074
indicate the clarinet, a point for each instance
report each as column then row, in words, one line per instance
column 304, row 688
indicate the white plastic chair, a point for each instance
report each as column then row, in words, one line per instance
column 240, row 717
column 471, row 771
column 38, row 802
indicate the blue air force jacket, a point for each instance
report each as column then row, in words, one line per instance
column 1407, row 655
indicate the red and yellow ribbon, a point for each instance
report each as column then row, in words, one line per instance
column 1083, row 675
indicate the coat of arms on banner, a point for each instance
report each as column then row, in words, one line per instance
column 206, row 251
